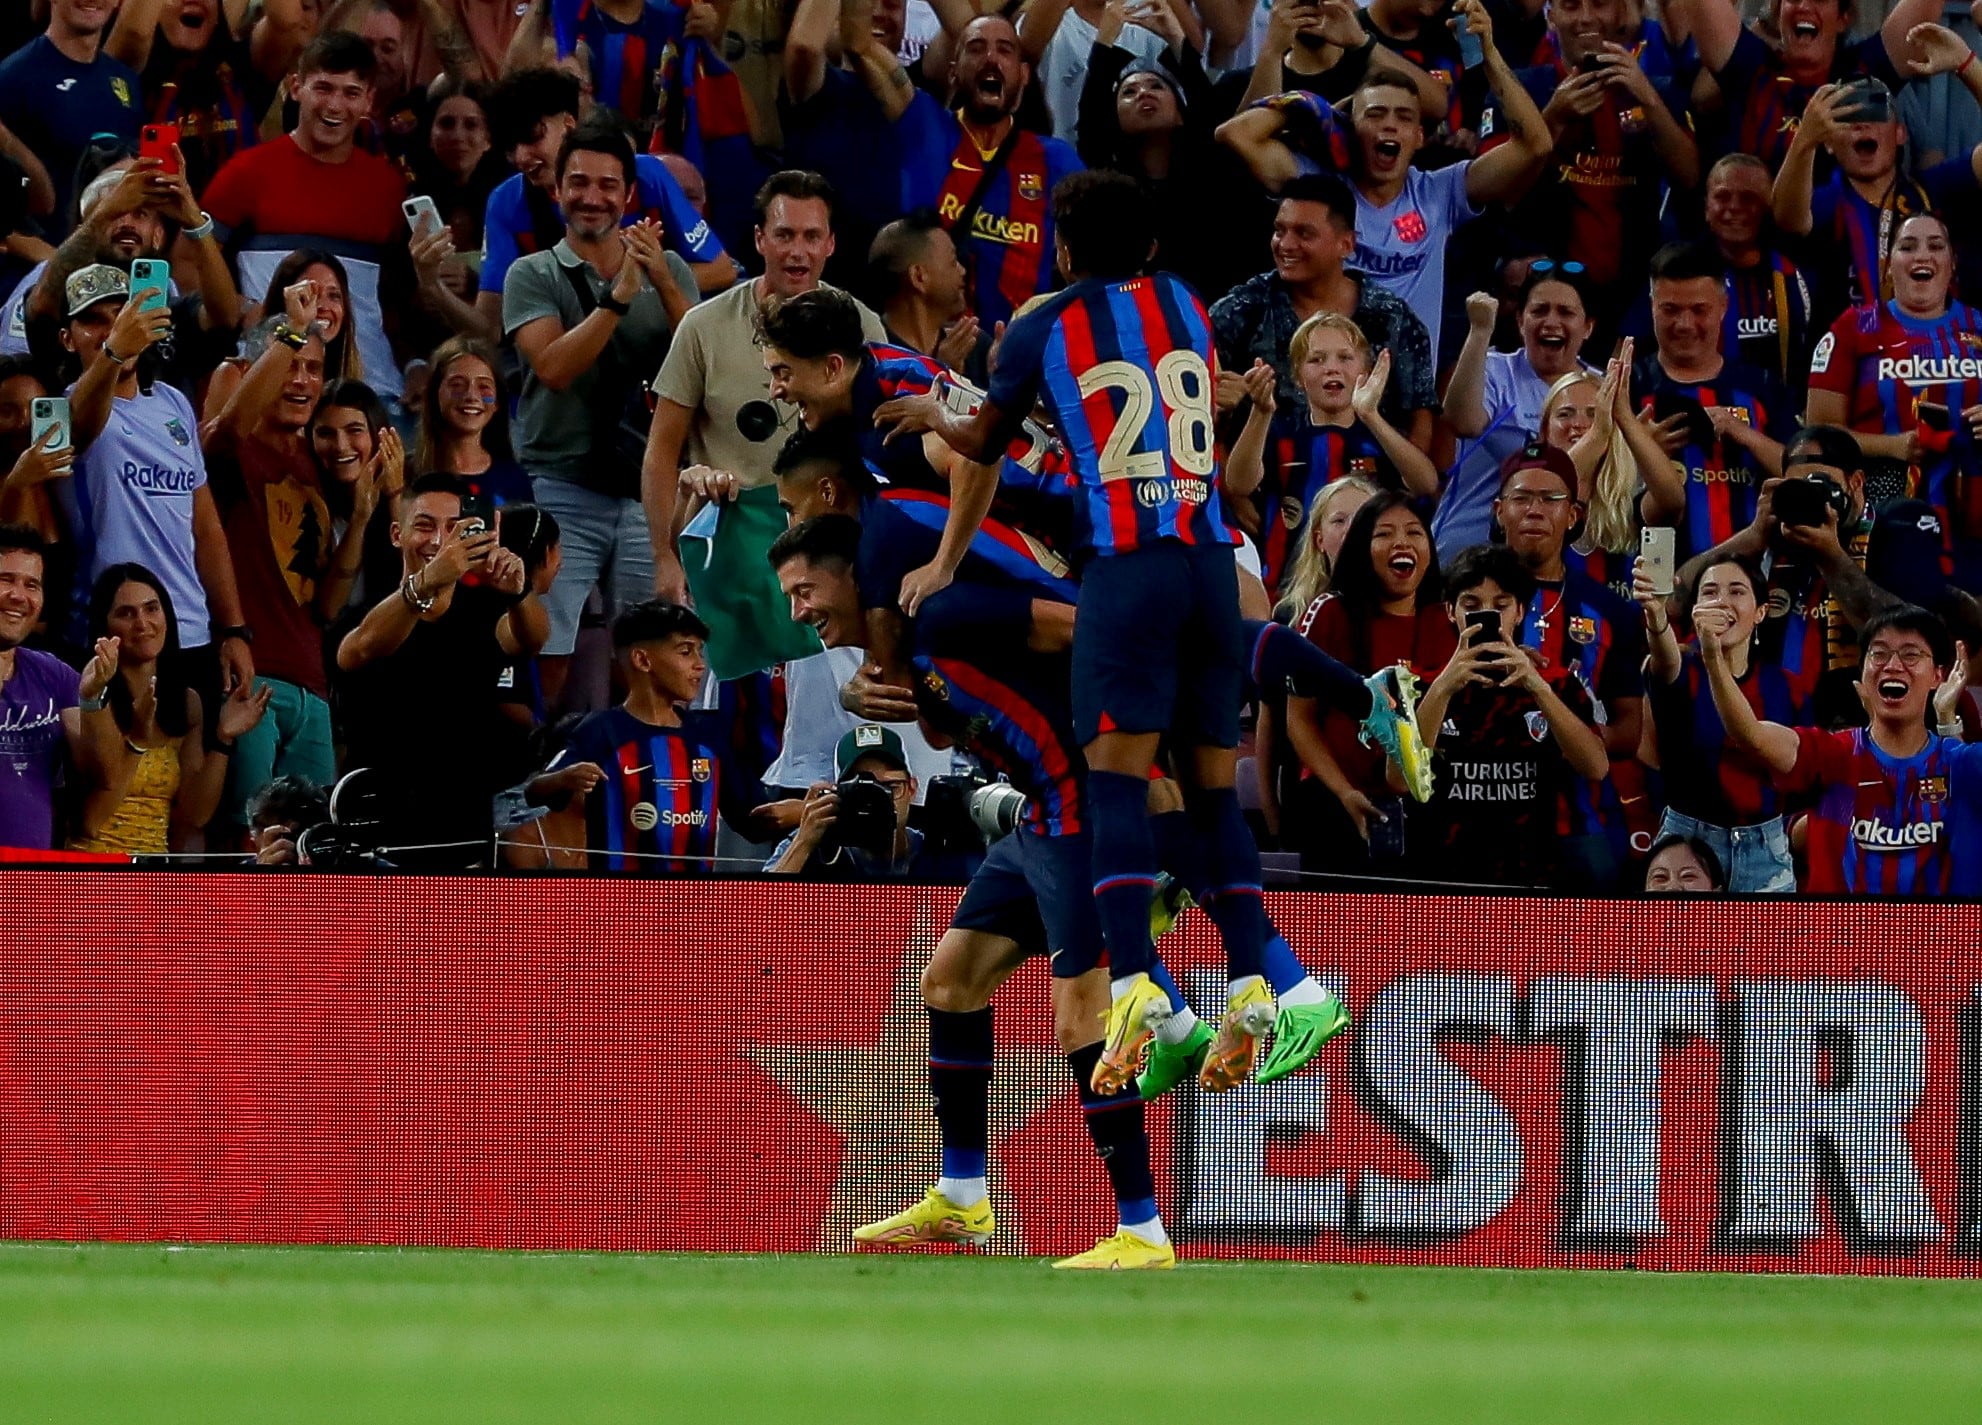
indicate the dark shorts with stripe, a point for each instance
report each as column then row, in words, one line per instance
column 1159, row 645
column 1038, row 891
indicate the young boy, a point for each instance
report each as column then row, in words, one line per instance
column 1505, row 735
column 1285, row 458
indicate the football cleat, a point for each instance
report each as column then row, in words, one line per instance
column 1169, row 902
column 1170, row 1064
column 1392, row 724
column 1132, row 1020
column 1124, row 1252
column 1299, row 1033
column 931, row 1221
column 1229, row 1058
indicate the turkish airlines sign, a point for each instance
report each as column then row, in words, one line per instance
column 580, row 1063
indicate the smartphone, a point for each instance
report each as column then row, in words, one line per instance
column 157, row 141
column 1699, row 430
column 1387, row 836
column 49, row 413
column 1487, row 621
column 1934, row 417
column 1657, row 547
column 1472, row 54
column 1802, row 501
column 421, row 215
column 1589, row 64
column 151, row 279
column 1865, row 101
column 477, row 515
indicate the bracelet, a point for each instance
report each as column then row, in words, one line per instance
column 1662, row 629
column 411, row 594
column 290, row 337
column 115, row 359
column 1949, row 729
column 202, row 230
column 1962, row 68
column 95, row 704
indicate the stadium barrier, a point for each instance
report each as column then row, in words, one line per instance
column 729, row 1066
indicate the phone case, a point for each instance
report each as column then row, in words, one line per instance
column 49, row 412
column 1656, row 550
column 149, row 281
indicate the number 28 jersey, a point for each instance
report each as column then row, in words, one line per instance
column 1126, row 368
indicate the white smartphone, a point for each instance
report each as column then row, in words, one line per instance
column 49, row 413
column 1657, row 545
column 150, row 282
column 421, row 215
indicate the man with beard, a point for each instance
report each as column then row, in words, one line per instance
column 1768, row 296
column 62, row 89
column 1405, row 216
column 1855, row 215
column 1767, row 87
column 590, row 318
column 988, row 179
column 1898, row 803
column 916, row 277
column 1721, row 422
column 202, row 71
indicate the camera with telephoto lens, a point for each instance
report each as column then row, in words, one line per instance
column 863, row 819
column 1803, row 500
column 996, row 810
column 352, row 836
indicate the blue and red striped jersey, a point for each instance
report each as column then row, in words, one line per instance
column 1886, row 825
column 520, row 219
column 1884, row 363
column 1018, row 729
column 655, row 813
column 1579, row 626
column 1759, row 300
column 1705, row 778
column 1126, row 369
column 1613, row 571
column 1302, row 459
column 628, row 58
column 1722, row 479
column 1766, row 105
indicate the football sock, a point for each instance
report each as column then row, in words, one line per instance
column 1115, row 1123
column 1282, row 660
column 1233, row 899
column 1183, row 855
column 1124, row 870
column 1177, row 1028
column 960, row 1084
column 1308, row 990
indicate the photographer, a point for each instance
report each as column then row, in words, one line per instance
column 858, row 829
column 279, row 814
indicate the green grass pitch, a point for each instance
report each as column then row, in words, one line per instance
column 236, row 1334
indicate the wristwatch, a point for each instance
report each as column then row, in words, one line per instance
column 224, row 631
column 610, row 303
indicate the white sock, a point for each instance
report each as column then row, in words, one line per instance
column 1240, row 986
column 964, row 1192
column 1177, row 1028
column 1121, row 985
column 1308, row 991
column 1150, row 1231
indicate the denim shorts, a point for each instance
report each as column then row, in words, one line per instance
column 1755, row 858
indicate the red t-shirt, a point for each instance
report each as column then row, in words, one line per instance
column 279, row 534
column 277, row 189
column 1425, row 641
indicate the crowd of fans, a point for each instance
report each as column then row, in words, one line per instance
column 383, row 387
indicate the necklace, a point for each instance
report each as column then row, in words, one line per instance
column 1541, row 619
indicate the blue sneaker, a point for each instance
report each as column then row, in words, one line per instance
column 1392, row 724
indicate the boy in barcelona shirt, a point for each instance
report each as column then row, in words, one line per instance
column 1898, row 801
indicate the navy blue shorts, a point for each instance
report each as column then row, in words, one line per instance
column 1159, row 646
column 1038, row 891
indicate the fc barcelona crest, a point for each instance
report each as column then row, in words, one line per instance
column 1031, row 186
column 700, row 769
column 1582, row 630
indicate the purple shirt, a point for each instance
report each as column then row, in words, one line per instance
column 31, row 746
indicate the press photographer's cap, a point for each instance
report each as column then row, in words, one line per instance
column 98, row 282
column 870, row 739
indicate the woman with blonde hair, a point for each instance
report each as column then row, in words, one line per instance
column 1321, row 542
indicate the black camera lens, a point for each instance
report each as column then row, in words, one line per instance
column 757, row 420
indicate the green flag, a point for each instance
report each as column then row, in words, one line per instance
column 735, row 589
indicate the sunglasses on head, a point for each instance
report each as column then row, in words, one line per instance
column 1549, row 264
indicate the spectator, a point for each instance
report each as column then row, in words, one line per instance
column 30, row 466
column 590, row 318
column 1081, row 30
column 139, row 493
column 61, row 90
column 1769, row 304
column 1405, row 216
column 1507, row 734
column 1622, row 140
column 1683, row 865
column 148, row 777
column 1769, row 85
column 1494, row 399
column 660, row 820
column 421, row 680
column 208, row 70
column 1941, row 118
column 1323, row 531
column 356, row 444
column 868, row 753
column 1616, row 461
column 530, row 114
column 1892, row 797
column 40, row 720
column 1720, row 422
column 279, row 814
column 464, row 424
column 999, row 205
column 1876, row 365
column 1314, row 230
column 916, row 281
column 1289, row 458
column 1854, row 208
column 1718, row 795
column 714, row 408
column 1381, row 608
column 316, row 184
column 533, row 536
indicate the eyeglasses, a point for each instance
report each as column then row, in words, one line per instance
column 1522, row 499
column 1911, row 659
column 1549, row 264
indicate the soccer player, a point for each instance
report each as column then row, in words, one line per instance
column 1897, row 800
column 653, row 776
column 1124, row 365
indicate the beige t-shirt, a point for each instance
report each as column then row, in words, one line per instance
column 716, row 369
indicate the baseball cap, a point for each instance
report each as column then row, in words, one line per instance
column 870, row 739
column 1538, row 455
column 96, row 283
